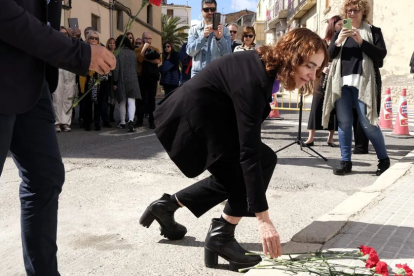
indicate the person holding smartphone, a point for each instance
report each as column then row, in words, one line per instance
column 206, row 43
column 355, row 80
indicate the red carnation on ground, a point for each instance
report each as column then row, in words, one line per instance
column 381, row 269
column 366, row 250
column 372, row 260
column 404, row 270
column 155, row 2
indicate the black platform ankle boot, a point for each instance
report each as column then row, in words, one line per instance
column 343, row 168
column 163, row 210
column 383, row 165
column 220, row 241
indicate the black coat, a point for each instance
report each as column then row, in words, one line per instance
column 234, row 44
column 377, row 52
column 27, row 43
column 218, row 114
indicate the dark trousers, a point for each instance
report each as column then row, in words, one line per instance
column 31, row 139
column 169, row 88
column 148, row 93
column 226, row 182
column 92, row 107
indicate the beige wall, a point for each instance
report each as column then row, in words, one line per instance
column 83, row 10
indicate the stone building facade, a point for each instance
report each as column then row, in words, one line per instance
column 96, row 13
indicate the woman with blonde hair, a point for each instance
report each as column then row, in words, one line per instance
column 354, row 80
column 213, row 122
column 248, row 37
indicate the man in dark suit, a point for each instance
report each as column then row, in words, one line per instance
column 30, row 50
column 233, row 28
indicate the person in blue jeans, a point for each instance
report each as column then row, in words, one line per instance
column 355, row 81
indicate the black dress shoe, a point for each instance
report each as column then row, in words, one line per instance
column 220, row 241
column 360, row 151
column 151, row 125
column 97, row 127
column 87, row 127
column 311, row 144
column 107, row 125
column 383, row 165
column 343, row 168
column 162, row 210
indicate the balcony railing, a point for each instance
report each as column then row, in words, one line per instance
column 297, row 8
column 277, row 11
column 183, row 19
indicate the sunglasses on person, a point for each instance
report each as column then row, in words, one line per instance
column 94, row 38
column 167, row 46
column 233, row 32
column 209, row 9
column 248, row 36
column 354, row 11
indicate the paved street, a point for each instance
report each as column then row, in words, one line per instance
column 111, row 176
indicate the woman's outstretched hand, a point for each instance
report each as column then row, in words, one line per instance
column 269, row 235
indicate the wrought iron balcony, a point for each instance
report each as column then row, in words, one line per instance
column 277, row 12
column 298, row 8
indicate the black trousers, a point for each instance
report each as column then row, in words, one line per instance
column 31, row 139
column 169, row 88
column 90, row 107
column 226, row 182
column 148, row 93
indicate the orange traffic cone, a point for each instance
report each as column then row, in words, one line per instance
column 274, row 114
column 386, row 112
column 401, row 123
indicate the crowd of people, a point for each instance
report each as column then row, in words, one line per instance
column 132, row 86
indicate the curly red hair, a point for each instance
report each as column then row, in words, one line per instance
column 293, row 50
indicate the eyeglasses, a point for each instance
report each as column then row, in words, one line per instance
column 354, row 11
column 148, row 38
column 94, row 38
column 233, row 32
column 248, row 36
column 209, row 9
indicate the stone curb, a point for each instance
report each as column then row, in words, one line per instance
column 326, row 227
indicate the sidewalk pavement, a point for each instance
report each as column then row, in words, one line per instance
column 380, row 216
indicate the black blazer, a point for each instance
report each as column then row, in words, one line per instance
column 31, row 51
column 218, row 114
column 377, row 52
column 234, row 44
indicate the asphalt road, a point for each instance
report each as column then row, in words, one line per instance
column 112, row 175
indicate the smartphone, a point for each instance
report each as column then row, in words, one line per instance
column 73, row 23
column 347, row 23
column 216, row 20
